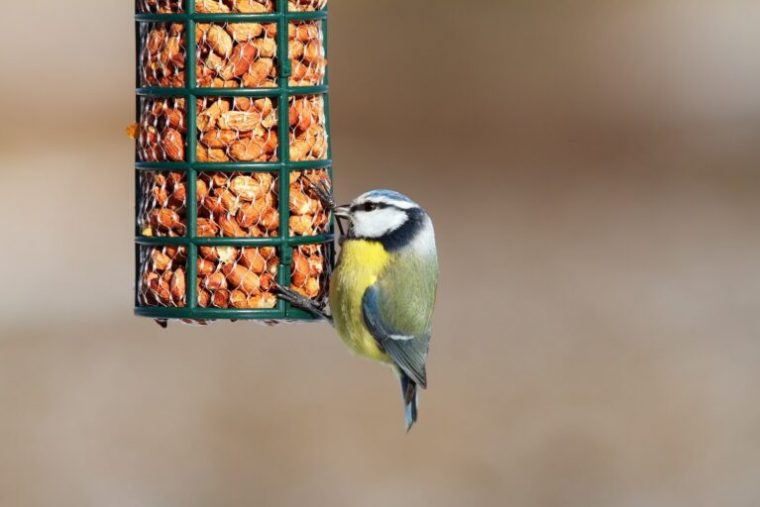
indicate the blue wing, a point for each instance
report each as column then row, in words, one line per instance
column 407, row 349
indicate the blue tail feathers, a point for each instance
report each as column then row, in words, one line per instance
column 409, row 395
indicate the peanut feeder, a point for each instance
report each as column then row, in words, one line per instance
column 233, row 134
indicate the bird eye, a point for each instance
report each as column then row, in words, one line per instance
column 370, row 206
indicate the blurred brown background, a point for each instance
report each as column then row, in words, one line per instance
column 593, row 171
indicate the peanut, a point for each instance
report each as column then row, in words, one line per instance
column 247, row 188
column 239, row 121
column 306, row 5
column 215, row 281
column 241, row 278
column 253, row 6
column 204, row 298
column 208, row 116
column 173, row 145
column 230, row 227
column 211, row 7
column 205, row 267
column 219, row 41
column 160, row 6
column 221, row 298
column 251, row 214
column 253, row 260
column 243, row 32
column 177, row 285
column 207, row 228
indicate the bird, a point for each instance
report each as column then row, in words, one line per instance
column 383, row 288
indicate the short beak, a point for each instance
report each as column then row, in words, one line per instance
column 343, row 211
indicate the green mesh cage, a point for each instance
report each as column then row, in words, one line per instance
column 233, row 128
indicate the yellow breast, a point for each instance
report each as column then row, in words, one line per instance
column 360, row 264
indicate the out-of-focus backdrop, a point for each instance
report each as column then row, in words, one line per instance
column 593, row 169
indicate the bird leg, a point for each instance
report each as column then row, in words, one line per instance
column 297, row 300
column 324, row 193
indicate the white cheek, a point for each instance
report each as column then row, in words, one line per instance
column 375, row 224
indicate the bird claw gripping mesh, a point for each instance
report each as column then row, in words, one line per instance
column 323, row 192
column 233, row 160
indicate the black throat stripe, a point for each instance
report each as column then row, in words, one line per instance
column 401, row 237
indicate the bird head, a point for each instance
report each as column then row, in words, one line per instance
column 388, row 217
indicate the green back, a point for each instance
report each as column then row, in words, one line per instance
column 407, row 293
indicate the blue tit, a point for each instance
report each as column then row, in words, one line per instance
column 383, row 289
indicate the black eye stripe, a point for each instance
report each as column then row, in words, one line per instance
column 370, row 206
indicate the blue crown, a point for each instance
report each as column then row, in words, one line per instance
column 391, row 195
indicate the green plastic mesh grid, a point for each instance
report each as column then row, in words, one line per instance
column 233, row 131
